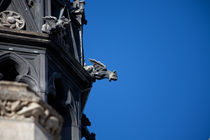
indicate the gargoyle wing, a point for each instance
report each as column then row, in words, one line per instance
column 98, row 65
column 50, row 20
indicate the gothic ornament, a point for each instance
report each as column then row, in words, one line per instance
column 18, row 69
column 18, row 102
column 30, row 3
column 85, row 132
column 78, row 7
column 77, row 11
column 54, row 25
column 12, row 20
column 99, row 71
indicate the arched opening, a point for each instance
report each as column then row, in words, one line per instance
column 8, row 70
column 56, row 93
column 13, row 67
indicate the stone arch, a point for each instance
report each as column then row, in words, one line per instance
column 21, row 64
column 52, row 84
column 13, row 67
column 62, row 99
column 56, row 89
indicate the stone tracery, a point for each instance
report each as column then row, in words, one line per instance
column 12, row 20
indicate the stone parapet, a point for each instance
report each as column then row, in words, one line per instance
column 22, row 108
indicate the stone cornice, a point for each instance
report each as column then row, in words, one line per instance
column 41, row 41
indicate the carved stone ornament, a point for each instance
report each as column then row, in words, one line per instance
column 19, row 103
column 78, row 7
column 85, row 132
column 99, row 71
column 54, row 25
column 21, row 66
column 12, row 20
column 30, row 2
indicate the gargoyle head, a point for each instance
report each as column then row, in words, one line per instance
column 99, row 71
column 113, row 76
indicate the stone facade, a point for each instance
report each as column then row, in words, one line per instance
column 41, row 45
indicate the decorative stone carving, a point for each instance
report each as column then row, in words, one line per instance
column 54, row 25
column 19, row 103
column 99, row 71
column 20, row 66
column 78, row 7
column 84, row 130
column 77, row 11
column 11, row 19
column 30, row 2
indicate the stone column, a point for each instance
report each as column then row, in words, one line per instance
column 25, row 116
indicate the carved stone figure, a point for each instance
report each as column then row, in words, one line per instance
column 54, row 25
column 11, row 19
column 17, row 102
column 77, row 11
column 78, row 7
column 99, row 71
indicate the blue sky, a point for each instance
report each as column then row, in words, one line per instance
column 161, row 51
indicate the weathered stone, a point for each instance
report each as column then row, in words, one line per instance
column 12, row 129
column 19, row 103
column 12, row 20
column 44, row 49
column 54, row 25
column 99, row 71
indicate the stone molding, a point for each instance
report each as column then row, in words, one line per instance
column 18, row 102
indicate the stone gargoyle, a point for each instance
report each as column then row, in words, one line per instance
column 99, row 71
column 53, row 24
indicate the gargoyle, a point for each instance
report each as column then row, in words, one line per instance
column 53, row 24
column 99, row 71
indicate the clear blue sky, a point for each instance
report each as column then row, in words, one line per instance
column 161, row 51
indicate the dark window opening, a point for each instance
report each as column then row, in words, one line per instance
column 8, row 70
column 58, row 96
